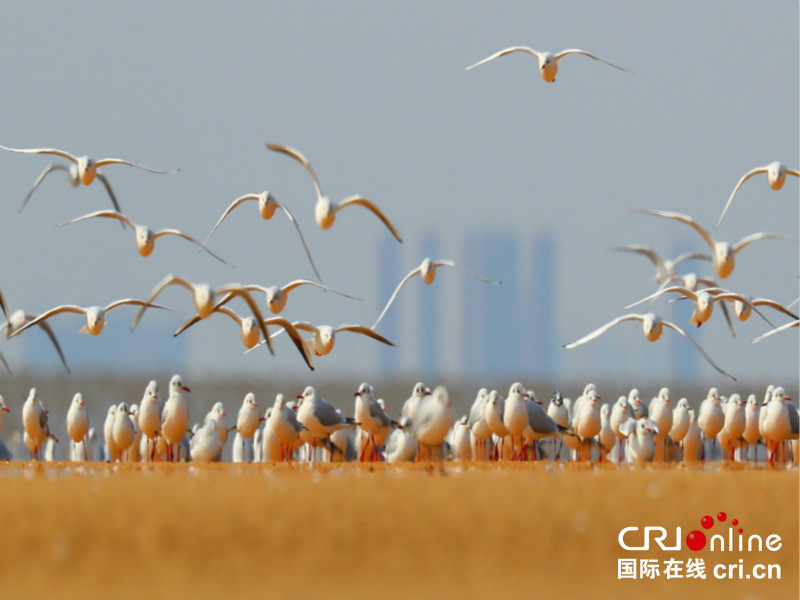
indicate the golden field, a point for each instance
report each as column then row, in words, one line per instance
column 419, row 530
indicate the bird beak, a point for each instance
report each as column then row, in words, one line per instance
column 6, row 409
column 186, row 389
column 255, row 404
column 263, row 419
column 155, row 396
column 299, row 396
column 356, row 394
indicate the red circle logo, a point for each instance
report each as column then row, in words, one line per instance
column 696, row 540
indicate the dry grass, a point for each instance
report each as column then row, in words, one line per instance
column 330, row 530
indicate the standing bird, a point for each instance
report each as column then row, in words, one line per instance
column 558, row 411
column 78, row 424
column 548, row 63
column 751, row 433
column 515, row 418
column 781, row 422
column 411, row 405
column 586, row 421
column 641, row 445
column 710, row 417
column 401, row 446
column 621, row 412
column 460, row 442
column 248, row 420
column 325, row 210
column 206, row 445
column 112, row 451
column 495, row 408
column 150, row 409
column 434, row 419
column 374, row 421
column 217, row 413
column 661, row 414
column 427, row 272
column 693, row 440
column 723, row 253
column 135, row 449
column 34, row 421
column 776, row 176
column 478, row 426
column 266, row 208
column 734, row 423
column 680, row 421
column 319, row 416
column 175, row 417
column 284, row 426
column 123, row 430
column 607, row 436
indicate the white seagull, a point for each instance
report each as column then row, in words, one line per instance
column 150, row 409
column 74, row 181
column 652, row 326
column 204, row 297
column 724, row 254
column 776, row 176
column 548, row 63
column 283, row 423
column 427, row 271
column 95, row 315
column 325, row 335
column 87, row 167
column 277, row 296
column 665, row 269
column 145, row 237
column 250, row 333
column 266, row 207
column 175, row 417
column 78, row 424
column 325, row 209
column 434, row 419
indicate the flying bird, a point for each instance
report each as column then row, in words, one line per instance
column 724, row 254
column 95, row 315
column 653, row 326
column 548, row 63
column 776, row 176
column 278, row 296
column 87, row 167
column 427, row 271
column 266, row 208
column 204, row 297
column 145, row 237
column 325, row 210
column 250, row 333
column 74, row 181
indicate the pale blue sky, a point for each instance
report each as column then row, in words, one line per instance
column 376, row 96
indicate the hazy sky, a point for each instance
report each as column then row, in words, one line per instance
column 464, row 163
